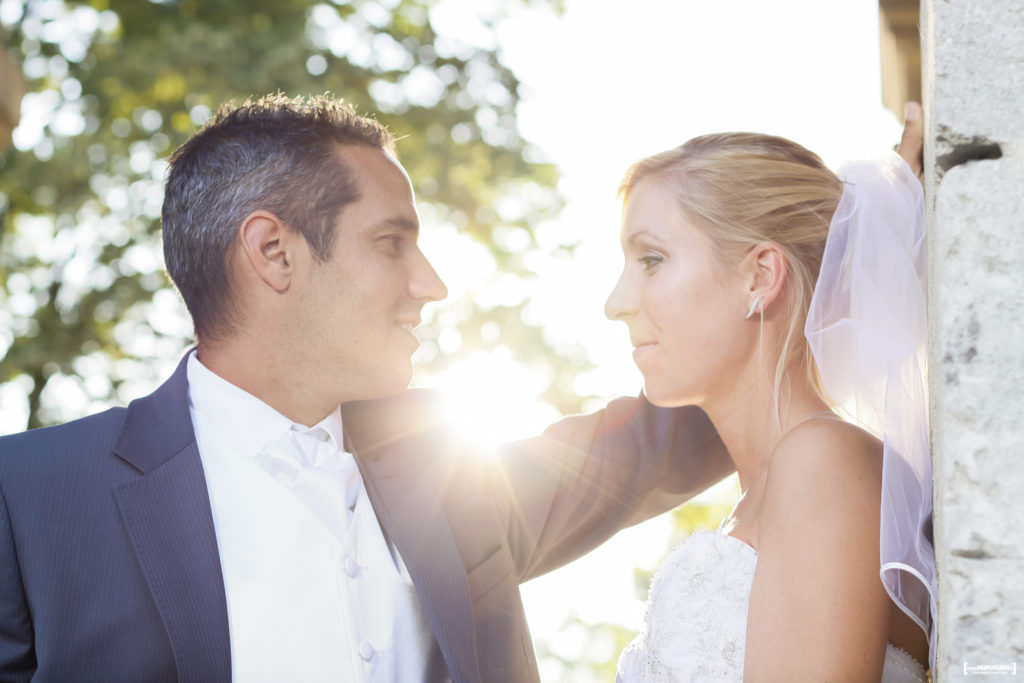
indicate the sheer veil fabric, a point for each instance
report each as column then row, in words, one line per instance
column 867, row 329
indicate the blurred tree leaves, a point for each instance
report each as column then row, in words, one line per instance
column 116, row 85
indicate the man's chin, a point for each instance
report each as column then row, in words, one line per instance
column 388, row 382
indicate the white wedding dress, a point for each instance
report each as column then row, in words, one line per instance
column 696, row 623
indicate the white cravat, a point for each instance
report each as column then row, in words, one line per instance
column 325, row 479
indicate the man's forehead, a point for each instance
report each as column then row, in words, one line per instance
column 371, row 158
column 385, row 195
column 397, row 164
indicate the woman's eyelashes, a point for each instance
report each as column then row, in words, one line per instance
column 649, row 261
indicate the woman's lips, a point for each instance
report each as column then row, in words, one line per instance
column 640, row 349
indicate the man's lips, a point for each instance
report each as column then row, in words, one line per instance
column 410, row 323
column 408, row 326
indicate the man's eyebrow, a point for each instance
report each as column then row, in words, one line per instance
column 400, row 222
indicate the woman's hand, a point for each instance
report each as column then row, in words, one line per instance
column 911, row 146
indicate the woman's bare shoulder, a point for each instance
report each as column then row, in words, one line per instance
column 824, row 469
column 825, row 446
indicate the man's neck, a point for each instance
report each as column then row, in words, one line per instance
column 267, row 377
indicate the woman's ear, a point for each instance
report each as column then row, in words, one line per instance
column 267, row 245
column 765, row 268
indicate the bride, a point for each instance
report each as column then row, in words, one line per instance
column 724, row 238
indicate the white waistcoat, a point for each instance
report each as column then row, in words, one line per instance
column 302, row 605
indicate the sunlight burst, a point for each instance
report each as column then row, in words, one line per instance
column 493, row 399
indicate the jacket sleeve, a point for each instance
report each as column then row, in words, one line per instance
column 17, row 655
column 588, row 476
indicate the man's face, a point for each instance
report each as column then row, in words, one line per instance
column 356, row 311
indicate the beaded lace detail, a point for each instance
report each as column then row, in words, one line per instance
column 695, row 628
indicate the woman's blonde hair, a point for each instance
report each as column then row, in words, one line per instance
column 745, row 188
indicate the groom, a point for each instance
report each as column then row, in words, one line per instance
column 236, row 524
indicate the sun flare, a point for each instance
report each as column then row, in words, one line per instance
column 493, row 399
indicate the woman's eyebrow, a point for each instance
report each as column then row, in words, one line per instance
column 643, row 234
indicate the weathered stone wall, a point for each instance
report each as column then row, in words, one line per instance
column 973, row 60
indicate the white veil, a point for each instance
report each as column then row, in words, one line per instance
column 868, row 331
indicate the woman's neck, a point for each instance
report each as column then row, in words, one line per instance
column 750, row 427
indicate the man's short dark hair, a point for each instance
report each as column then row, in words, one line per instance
column 275, row 154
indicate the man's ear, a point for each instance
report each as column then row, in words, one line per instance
column 765, row 268
column 268, row 245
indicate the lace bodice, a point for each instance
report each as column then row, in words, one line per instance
column 696, row 623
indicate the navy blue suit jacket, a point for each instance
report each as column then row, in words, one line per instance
column 109, row 568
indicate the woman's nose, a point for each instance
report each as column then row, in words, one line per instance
column 615, row 307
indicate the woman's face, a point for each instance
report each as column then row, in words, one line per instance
column 683, row 305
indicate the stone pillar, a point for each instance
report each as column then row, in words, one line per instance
column 973, row 62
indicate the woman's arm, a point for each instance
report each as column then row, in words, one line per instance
column 818, row 610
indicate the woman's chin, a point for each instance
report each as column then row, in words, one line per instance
column 665, row 399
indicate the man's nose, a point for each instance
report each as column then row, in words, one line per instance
column 426, row 284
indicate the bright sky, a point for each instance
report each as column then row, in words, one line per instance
column 609, row 82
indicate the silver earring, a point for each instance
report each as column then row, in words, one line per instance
column 753, row 307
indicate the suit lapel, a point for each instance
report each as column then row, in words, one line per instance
column 168, row 518
column 395, row 445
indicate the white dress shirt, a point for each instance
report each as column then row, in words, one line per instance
column 303, row 605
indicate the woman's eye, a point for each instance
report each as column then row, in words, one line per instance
column 650, row 261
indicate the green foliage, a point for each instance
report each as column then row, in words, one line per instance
column 116, row 85
column 583, row 653
column 698, row 515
